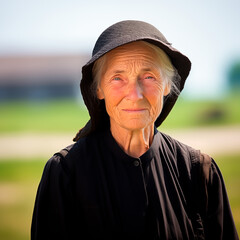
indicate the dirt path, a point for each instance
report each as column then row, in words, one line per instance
column 214, row 141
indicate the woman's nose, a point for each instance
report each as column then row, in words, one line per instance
column 134, row 91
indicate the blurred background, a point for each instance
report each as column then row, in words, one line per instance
column 43, row 45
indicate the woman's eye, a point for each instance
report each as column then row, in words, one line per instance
column 116, row 78
column 149, row 77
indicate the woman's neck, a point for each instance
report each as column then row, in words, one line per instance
column 134, row 142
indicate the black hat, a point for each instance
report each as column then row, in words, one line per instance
column 117, row 35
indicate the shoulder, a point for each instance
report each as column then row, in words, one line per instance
column 75, row 154
column 187, row 157
column 181, row 148
column 178, row 148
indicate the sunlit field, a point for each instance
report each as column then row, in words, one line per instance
column 19, row 177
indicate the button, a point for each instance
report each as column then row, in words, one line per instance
column 136, row 163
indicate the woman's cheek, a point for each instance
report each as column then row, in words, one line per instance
column 156, row 102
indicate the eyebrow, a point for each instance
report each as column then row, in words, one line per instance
column 118, row 71
column 147, row 69
column 122, row 71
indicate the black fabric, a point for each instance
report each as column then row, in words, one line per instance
column 117, row 35
column 97, row 191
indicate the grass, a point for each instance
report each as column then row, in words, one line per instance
column 18, row 183
column 19, row 180
column 230, row 168
column 70, row 115
column 198, row 113
column 53, row 116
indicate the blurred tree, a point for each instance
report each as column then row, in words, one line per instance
column 233, row 76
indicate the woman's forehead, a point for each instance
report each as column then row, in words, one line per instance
column 130, row 54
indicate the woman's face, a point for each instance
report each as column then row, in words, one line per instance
column 132, row 87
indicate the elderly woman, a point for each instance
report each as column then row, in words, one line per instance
column 123, row 179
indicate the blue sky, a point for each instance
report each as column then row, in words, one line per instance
column 206, row 31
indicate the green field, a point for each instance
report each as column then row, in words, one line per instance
column 18, row 183
column 19, row 180
column 53, row 116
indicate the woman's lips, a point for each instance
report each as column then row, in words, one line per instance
column 135, row 110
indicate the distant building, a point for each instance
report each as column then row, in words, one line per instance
column 40, row 77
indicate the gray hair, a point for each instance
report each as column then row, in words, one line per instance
column 168, row 72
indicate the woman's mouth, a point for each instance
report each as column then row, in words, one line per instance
column 134, row 110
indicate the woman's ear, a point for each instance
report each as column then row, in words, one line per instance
column 167, row 89
column 100, row 94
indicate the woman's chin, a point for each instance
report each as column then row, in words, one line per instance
column 134, row 125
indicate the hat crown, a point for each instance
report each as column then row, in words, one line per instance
column 125, row 32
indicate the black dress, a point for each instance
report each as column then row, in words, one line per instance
column 97, row 191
